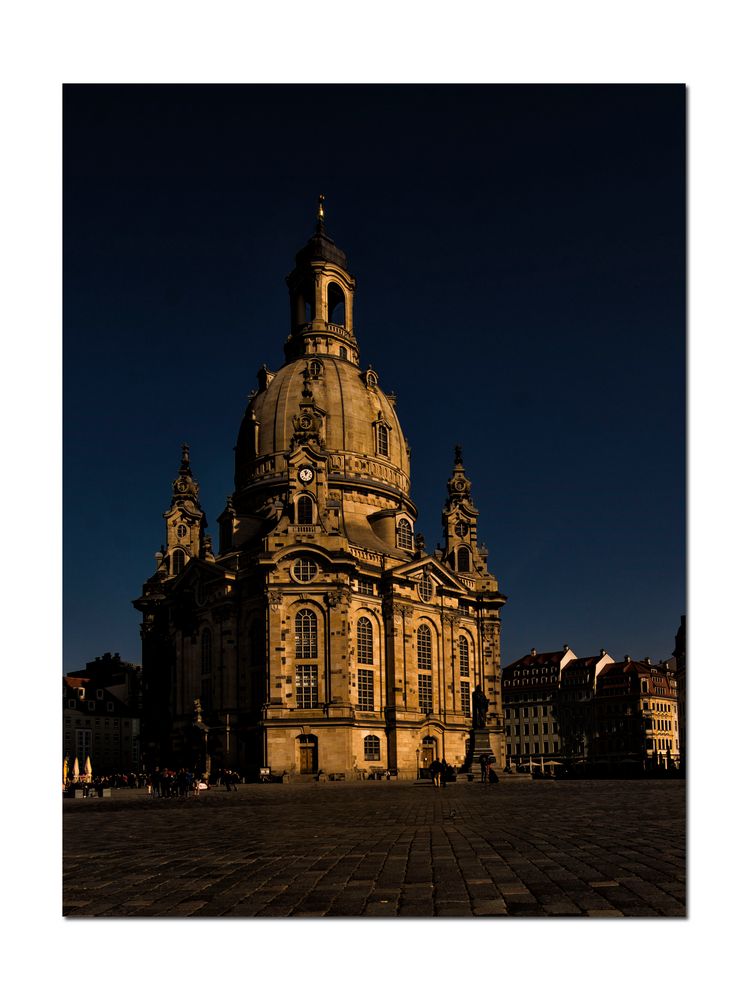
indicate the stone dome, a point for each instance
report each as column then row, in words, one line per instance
column 350, row 408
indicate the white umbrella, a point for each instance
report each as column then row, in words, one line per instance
column 88, row 769
column 76, row 769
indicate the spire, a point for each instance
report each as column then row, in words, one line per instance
column 458, row 486
column 184, row 486
column 321, row 214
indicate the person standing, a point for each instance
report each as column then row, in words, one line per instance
column 435, row 771
column 483, row 768
column 444, row 772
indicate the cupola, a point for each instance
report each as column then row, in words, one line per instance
column 321, row 293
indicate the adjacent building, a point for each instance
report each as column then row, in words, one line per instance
column 529, row 693
column 575, row 708
column 321, row 637
column 636, row 715
column 101, row 716
column 680, row 679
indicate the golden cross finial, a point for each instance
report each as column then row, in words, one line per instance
column 321, row 209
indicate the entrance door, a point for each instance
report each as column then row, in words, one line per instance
column 307, row 755
column 428, row 754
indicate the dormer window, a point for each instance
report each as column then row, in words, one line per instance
column 404, row 534
column 383, row 440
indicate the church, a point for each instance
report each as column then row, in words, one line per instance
column 320, row 638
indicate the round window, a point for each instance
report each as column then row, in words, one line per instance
column 181, row 531
column 315, row 369
column 304, row 570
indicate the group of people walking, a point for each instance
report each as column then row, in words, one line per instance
column 165, row 784
column 441, row 772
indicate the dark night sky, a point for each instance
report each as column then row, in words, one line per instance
column 520, row 257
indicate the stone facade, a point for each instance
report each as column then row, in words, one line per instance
column 321, row 637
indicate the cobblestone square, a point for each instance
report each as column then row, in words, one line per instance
column 382, row 849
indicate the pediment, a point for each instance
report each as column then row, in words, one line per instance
column 439, row 573
column 200, row 571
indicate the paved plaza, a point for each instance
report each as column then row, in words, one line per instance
column 378, row 848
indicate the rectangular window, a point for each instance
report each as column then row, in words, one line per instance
column 366, row 690
column 82, row 745
column 527, row 729
column 536, row 748
column 465, row 697
column 425, row 693
column 534, row 729
column 306, row 685
column 366, row 587
column 545, row 746
column 545, row 729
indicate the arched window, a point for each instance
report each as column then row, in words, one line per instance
column 423, row 647
column 206, row 665
column 383, row 440
column 464, row 650
column 306, row 635
column 343, row 353
column 371, row 748
column 305, row 510
column 404, row 534
column 306, row 649
column 463, row 560
column 177, row 561
column 335, row 304
column 365, row 641
column 206, row 651
column 425, row 588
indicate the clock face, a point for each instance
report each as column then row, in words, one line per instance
column 182, row 486
column 306, row 475
column 459, row 485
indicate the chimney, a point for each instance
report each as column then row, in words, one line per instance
column 533, row 651
column 566, row 648
column 627, row 658
column 648, row 661
column 603, row 652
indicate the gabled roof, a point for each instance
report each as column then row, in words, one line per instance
column 438, row 571
column 538, row 659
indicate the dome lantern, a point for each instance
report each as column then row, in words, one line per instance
column 321, row 293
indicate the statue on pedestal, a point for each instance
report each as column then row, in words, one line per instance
column 480, row 708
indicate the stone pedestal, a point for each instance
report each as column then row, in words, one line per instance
column 480, row 744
